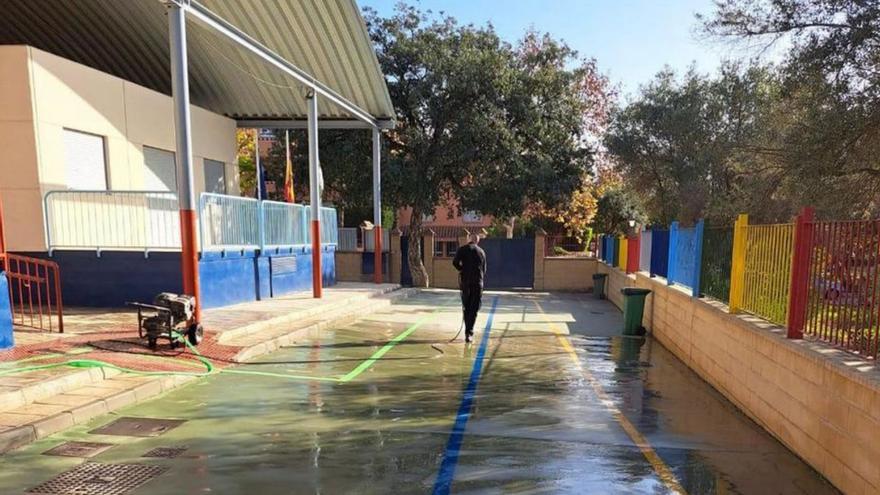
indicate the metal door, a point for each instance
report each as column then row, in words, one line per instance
column 510, row 263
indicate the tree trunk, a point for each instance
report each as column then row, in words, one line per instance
column 416, row 266
column 508, row 227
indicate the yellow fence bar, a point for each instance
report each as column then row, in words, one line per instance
column 738, row 262
column 621, row 259
column 764, row 275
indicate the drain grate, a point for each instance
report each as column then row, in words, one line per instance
column 138, row 427
column 92, row 478
column 166, row 452
column 78, row 449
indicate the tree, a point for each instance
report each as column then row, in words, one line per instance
column 476, row 120
column 831, row 75
column 616, row 209
column 244, row 139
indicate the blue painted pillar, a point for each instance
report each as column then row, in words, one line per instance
column 6, row 338
column 672, row 257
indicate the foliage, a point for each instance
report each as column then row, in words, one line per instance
column 491, row 125
column 615, row 209
column 244, row 140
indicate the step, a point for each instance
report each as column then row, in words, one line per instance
column 228, row 336
column 276, row 338
column 20, row 390
column 79, row 405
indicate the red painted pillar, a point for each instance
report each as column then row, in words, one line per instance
column 800, row 273
column 189, row 256
column 317, row 272
column 377, row 256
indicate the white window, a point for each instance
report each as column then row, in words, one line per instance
column 215, row 177
column 427, row 218
column 160, row 171
column 472, row 216
column 85, row 162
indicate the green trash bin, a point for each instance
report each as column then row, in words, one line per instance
column 633, row 309
column 599, row 285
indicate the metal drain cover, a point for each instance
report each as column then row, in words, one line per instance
column 92, row 478
column 78, row 449
column 166, row 452
column 138, row 427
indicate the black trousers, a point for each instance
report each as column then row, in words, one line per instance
column 471, row 298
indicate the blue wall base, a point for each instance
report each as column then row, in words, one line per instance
column 227, row 277
column 7, row 340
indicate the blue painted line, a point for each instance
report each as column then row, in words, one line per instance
column 453, row 446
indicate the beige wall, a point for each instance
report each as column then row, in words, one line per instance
column 41, row 94
column 348, row 267
column 822, row 403
column 569, row 274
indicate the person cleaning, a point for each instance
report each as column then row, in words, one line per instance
column 470, row 261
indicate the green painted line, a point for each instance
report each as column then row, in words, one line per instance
column 390, row 345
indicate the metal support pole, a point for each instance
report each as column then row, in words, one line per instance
column 314, row 195
column 189, row 257
column 377, row 206
column 258, row 166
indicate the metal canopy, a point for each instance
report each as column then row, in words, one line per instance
column 324, row 41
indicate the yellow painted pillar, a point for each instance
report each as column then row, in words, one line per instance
column 738, row 262
column 621, row 259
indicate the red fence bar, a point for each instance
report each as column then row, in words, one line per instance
column 34, row 292
column 633, row 250
column 800, row 270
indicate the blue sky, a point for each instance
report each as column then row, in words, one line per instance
column 631, row 39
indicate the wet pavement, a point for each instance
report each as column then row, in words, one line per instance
column 551, row 400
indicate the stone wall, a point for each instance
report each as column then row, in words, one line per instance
column 821, row 402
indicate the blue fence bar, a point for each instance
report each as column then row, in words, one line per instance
column 659, row 252
column 615, row 251
column 685, row 245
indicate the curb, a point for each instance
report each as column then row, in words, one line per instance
column 60, row 384
column 348, row 315
column 224, row 337
column 31, row 432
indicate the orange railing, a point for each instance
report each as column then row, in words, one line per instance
column 34, row 292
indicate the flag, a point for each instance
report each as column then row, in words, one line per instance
column 288, row 172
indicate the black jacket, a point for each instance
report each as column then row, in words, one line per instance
column 470, row 261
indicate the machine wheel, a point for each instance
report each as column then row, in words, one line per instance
column 194, row 334
column 175, row 343
column 151, row 343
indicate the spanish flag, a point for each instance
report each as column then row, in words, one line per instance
column 288, row 172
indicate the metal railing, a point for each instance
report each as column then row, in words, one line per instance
column 685, row 252
column 370, row 241
column 284, row 224
column 561, row 245
column 34, row 292
column 147, row 220
column 767, row 270
column 329, row 229
column 645, row 251
column 348, row 239
column 228, row 222
column 843, row 295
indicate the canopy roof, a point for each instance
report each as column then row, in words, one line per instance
column 326, row 40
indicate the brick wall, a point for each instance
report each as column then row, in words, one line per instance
column 568, row 274
column 821, row 402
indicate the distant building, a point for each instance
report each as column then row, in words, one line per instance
column 447, row 225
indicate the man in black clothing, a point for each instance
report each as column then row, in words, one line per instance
column 470, row 261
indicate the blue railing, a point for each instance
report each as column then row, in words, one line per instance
column 685, row 252
column 329, row 230
column 659, row 252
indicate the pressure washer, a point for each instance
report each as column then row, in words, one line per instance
column 169, row 317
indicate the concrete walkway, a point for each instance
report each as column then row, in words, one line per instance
column 51, row 396
column 548, row 399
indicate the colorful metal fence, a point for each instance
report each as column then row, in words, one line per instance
column 615, row 251
column 622, row 248
column 843, row 294
column 685, row 248
column 761, row 285
column 715, row 269
column 659, row 252
column 645, row 250
column 633, row 252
